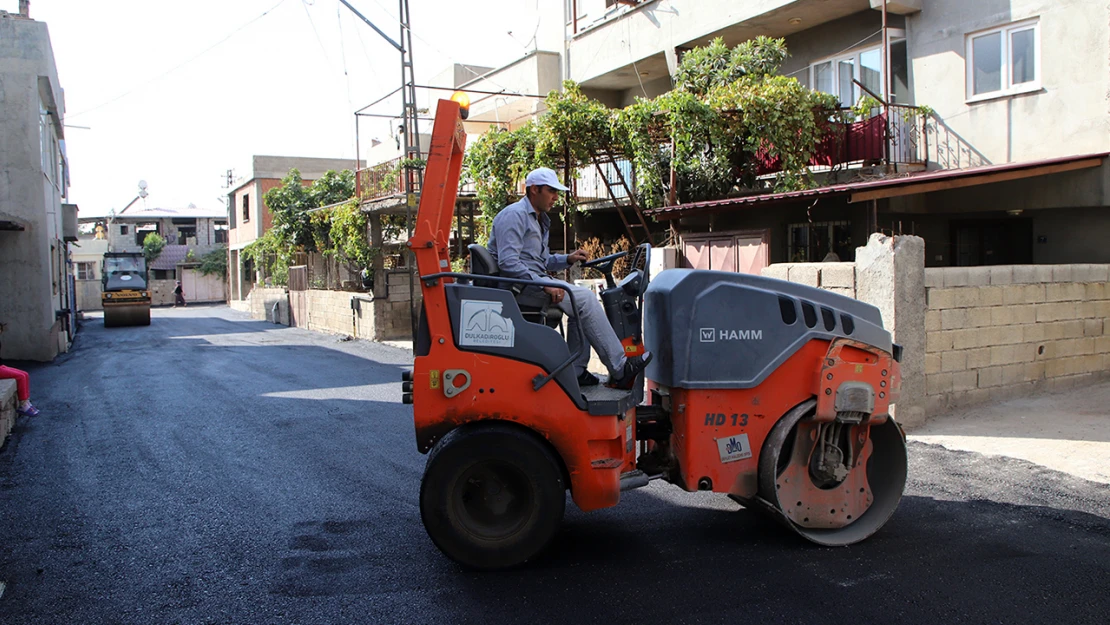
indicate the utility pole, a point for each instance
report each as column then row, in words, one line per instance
column 412, row 177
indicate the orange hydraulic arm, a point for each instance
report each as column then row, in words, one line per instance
column 429, row 240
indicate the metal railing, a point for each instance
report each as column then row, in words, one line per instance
column 388, row 179
column 384, row 180
column 948, row 149
column 594, row 182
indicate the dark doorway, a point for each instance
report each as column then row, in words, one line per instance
column 992, row 242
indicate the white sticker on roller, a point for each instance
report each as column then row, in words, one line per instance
column 481, row 325
column 734, row 448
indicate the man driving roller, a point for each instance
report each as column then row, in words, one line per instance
column 519, row 245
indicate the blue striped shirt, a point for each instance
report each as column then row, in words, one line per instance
column 519, row 242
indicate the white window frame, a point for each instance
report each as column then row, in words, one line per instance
column 88, row 269
column 1008, row 88
column 894, row 34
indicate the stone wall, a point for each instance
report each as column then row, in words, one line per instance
column 997, row 332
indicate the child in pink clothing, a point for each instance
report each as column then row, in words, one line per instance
column 22, row 389
column 22, row 386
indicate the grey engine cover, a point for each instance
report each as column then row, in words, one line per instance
column 717, row 329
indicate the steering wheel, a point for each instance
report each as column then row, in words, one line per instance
column 642, row 256
column 605, row 266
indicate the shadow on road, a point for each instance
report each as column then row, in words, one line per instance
column 936, row 559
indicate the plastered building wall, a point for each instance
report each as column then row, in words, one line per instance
column 1068, row 115
column 33, row 271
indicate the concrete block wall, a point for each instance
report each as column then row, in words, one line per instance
column 161, row 292
column 397, row 283
column 261, row 302
column 997, row 332
column 836, row 277
column 330, row 311
column 338, row 312
column 381, row 320
column 8, row 404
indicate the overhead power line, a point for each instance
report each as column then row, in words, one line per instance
column 178, row 66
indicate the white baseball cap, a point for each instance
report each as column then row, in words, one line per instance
column 544, row 176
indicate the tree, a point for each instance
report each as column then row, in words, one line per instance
column 295, row 226
column 153, row 244
column 214, row 262
column 291, row 202
column 729, row 112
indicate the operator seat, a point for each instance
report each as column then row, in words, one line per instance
column 535, row 307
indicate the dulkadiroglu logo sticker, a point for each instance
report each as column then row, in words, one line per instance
column 481, row 325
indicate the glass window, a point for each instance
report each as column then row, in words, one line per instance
column 1022, row 48
column 871, row 70
column 812, row 243
column 86, row 271
column 1004, row 60
column 822, row 77
column 900, row 72
column 836, row 76
column 846, row 73
column 987, row 55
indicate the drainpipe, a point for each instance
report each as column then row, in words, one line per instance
column 886, row 57
column 886, row 88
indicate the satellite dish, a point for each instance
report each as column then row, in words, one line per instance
column 192, row 206
column 142, row 184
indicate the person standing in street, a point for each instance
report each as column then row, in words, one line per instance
column 178, row 295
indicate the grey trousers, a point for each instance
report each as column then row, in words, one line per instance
column 591, row 316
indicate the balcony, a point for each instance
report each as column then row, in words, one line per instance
column 606, row 41
column 380, row 181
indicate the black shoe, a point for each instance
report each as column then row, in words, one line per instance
column 588, row 379
column 632, row 367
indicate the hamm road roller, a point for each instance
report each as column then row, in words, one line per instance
column 774, row 394
column 124, row 293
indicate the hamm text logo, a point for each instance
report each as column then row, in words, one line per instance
column 712, row 335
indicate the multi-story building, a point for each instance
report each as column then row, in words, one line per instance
column 249, row 217
column 36, row 222
column 1009, row 168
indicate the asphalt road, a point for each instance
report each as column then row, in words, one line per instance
column 214, row 469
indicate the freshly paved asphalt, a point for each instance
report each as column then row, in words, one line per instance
column 214, row 469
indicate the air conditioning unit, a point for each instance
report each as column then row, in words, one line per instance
column 69, row 222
